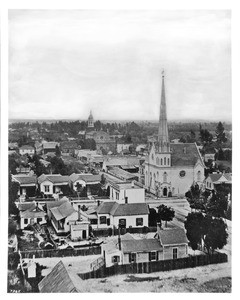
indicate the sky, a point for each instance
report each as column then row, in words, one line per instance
column 64, row 63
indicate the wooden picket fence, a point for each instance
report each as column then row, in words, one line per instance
column 162, row 265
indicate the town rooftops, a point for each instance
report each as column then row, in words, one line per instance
column 185, row 154
column 122, row 161
column 62, row 211
column 122, row 174
column 172, row 236
column 54, row 178
column 85, row 177
column 125, row 185
column 141, row 245
column 57, row 281
column 115, row 209
column 25, row 179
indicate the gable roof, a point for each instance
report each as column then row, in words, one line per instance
column 32, row 212
column 62, row 211
column 27, row 147
column 25, row 179
column 225, row 177
column 185, row 154
column 173, row 236
column 54, row 178
column 142, row 245
column 105, row 207
column 55, row 203
column 57, row 281
column 130, row 209
column 85, row 177
column 215, row 177
column 26, row 205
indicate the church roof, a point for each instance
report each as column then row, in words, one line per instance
column 184, row 154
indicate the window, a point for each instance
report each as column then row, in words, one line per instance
column 175, row 253
column 116, row 259
column 103, row 220
column 25, row 221
column 153, row 255
column 122, row 223
column 161, row 161
column 152, row 157
column 93, row 221
column 165, row 177
column 39, row 220
column 182, row 173
column 132, row 257
column 164, row 161
column 108, row 221
column 46, row 188
column 117, row 196
column 199, row 176
column 139, row 222
column 168, row 162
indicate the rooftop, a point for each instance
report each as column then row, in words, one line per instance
column 141, row 245
column 173, row 236
column 57, row 281
column 25, row 179
column 62, row 211
column 184, row 154
column 54, row 178
column 85, row 177
column 115, row 209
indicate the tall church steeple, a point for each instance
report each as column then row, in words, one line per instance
column 163, row 140
column 90, row 120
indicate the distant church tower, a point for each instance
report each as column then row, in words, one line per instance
column 90, row 121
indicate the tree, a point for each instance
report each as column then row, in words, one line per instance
column 165, row 213
column 57, row 151
column 12, row 228
column 193, row 226
column 205, row 136
column 221, row 138
column 154, row 217
column 216, row 235
column 218, row 203
column 193, row 196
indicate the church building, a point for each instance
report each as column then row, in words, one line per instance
column 171, row 168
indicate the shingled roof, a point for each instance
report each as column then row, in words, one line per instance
column 115, row 209
column 62, row 211
column 173, row 236
column 57, row 281
column 85, row 177
column 54, row 178
column 142, row 245
column 25, row 179
column 32, row 212
column 184, row 154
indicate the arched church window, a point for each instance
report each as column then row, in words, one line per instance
column 164, row 161
column 161, row 161
column 154, row 180
column 199, row 176
column 168, row 162
column 165, row 177
column 152, row 157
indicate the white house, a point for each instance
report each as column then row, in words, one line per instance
column 215, row 179
column 127, row 192
column 113, row 215
column 167, row 244
column 84, row 180
column 26, row 149
column 27, row 183
column 53, row 184
column 123, row 146
column 66, row 219
column 33, row 214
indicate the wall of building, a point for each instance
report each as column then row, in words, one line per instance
column 50, row 184
column 141, row 257
column 135, row 195
column 130, row 220
column 30, row 222
column 168, row 251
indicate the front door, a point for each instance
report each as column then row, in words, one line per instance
column 84, row 234
column 165, row 192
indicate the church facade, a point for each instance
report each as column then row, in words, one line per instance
column 171, row 168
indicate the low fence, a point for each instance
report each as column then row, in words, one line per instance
column 109, row 231
column 162, row 265
column 61, row 252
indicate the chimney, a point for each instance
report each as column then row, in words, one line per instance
column 79, row 212
column 126, row 200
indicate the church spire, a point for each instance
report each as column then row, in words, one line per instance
column 163, row 140
column 90, row 120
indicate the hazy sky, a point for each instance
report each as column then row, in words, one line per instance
column 64, row 63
